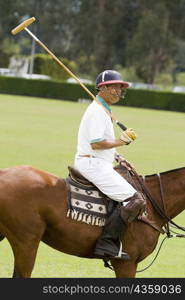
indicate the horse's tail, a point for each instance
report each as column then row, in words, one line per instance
column 1, row 237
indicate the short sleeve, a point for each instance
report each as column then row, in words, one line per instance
column 97, row 126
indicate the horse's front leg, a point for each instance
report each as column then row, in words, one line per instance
column 124, row 269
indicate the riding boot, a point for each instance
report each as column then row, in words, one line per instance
column 109, row 244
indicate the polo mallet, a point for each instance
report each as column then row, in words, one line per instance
column 24, row 26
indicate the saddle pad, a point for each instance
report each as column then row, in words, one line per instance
column 86, row 204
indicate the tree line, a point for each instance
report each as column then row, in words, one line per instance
column 145, row 37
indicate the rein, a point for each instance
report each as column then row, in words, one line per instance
column 161, row 212
column 156, row 206
column 163, row 204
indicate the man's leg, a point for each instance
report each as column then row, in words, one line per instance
column 109, row 244
column 107, row 180
column 112, row 184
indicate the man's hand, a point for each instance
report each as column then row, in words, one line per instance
column 128, row 136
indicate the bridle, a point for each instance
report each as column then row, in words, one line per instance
column 166, row 226
column 160, row 211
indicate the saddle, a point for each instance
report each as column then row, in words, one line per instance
column 86, row 203
column 79, row 178
column 76, row 180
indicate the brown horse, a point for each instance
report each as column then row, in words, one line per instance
column 33, row 206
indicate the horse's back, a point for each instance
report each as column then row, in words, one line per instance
column 26, row 176
column 20, row 185
column 27, row 194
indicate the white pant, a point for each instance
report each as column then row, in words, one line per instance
column 101, row 173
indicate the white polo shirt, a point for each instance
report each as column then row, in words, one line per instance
column 96, row 125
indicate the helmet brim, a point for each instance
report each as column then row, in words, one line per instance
column 124, row 83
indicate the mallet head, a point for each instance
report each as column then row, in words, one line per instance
column 23, row 25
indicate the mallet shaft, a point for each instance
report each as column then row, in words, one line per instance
column 72, row 75
column 24, row 25
column 60, row 63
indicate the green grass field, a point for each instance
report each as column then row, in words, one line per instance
column 43, row 133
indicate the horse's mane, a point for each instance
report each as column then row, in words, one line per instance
column 166, row 172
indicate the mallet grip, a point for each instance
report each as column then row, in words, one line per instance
column 21, row 26
column 122, row 126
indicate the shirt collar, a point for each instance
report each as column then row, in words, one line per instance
column 100, row 99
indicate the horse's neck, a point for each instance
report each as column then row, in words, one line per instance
column 173, row 190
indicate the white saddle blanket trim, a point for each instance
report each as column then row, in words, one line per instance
column 93, row 207
column 86, row 218
column 92, row 193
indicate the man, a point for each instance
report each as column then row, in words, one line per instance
column 94, row 160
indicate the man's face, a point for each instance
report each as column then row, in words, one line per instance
column 114, row 92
